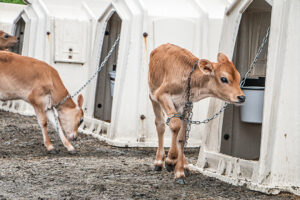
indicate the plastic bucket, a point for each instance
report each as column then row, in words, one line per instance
column 112, row 76
column 252, row 109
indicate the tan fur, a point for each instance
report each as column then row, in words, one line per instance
column 39, row 84
column 169, row 69
column 7, row 41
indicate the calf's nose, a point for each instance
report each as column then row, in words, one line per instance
column 241, row 98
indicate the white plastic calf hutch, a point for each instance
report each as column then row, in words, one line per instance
column 263, row 156
column 145, row 25
column 75, row 36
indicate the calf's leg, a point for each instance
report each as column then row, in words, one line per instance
column 65, row 141
column 181, row 160
column 167, row 104
column 165, row 101
column 37, row 101
column 42, row 120
column 160, row 128
column 173, row 152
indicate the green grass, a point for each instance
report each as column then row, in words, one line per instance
column 12, row 1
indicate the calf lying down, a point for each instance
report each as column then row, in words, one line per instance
column 39, row 84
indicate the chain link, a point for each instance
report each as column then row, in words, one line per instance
column 92, row 77
column 86, row 83
column 253, row 64
column 187, row 113
column 188, row 107
column 56, row 119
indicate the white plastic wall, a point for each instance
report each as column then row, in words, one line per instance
column 278, row 166
column 8, row 14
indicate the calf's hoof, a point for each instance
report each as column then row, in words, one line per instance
column 53, row 151
column 186, row 172
column 180, row 181
column 73, row 152
column 170, row 168
column 157, row 168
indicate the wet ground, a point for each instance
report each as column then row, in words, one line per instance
column 96, row 171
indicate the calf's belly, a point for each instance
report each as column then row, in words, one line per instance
column 9, row 90
column 8, row 96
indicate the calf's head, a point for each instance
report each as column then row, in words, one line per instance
column 225, row 79
column 7, row 41
column 71, row 118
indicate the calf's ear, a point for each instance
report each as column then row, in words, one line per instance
column 80, row 100
column 222, row 58
column 206, row 66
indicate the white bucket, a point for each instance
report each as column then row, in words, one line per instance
column 252, row 109
column 112, row 75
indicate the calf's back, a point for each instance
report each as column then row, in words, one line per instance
column 21, row 75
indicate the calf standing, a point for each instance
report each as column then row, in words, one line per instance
column 169, row 69
column 39, row 84
column 7, row 41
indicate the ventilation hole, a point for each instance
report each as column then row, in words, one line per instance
column 226, row 136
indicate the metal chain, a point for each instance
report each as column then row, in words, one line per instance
column 188, row 103
column 188, row 107
column 56, row 119
column 94, row 75
column 187, row 110
column 253, row 64
column 88, row 82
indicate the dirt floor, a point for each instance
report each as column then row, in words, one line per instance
column 96, row 171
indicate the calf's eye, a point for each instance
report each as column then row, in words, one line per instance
column 224, row 80
column 6, row 36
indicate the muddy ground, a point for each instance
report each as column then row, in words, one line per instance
column 96, row 171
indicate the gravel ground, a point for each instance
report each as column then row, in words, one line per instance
column 96, row 171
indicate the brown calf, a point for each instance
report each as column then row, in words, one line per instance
column 39, row 84
column 7, row 41
column 169, row 69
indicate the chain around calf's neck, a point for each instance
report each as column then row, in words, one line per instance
column 187, row 110
column 187, row 113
